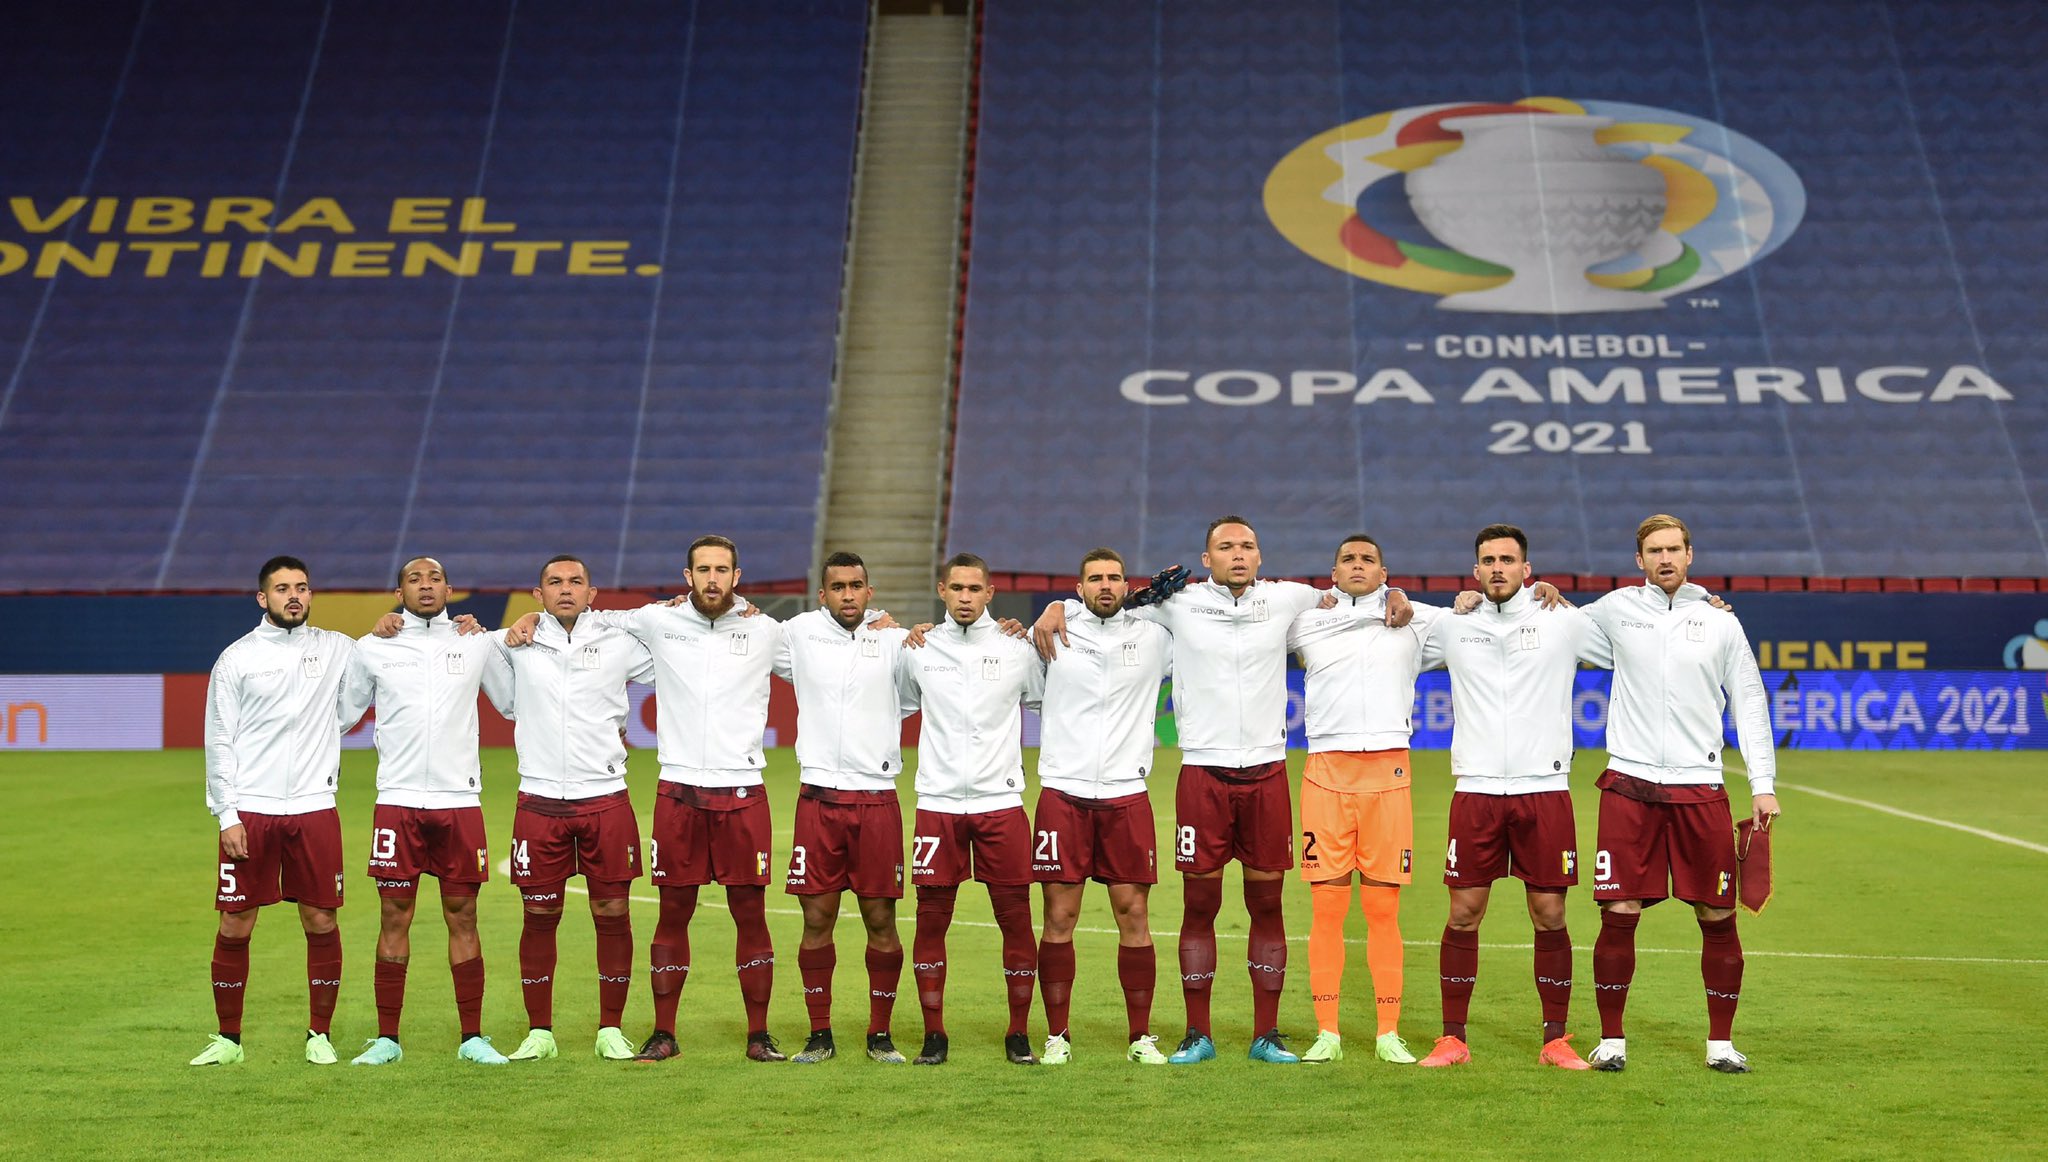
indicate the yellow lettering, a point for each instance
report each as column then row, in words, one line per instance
column 25, row 213
column 1873, row 654
column 159, row 215
column 1825, row 657
column 362, row 259
column 473, row 219
column 525, row 254
column 215, row 263
column 598, row 257
column 248, row 213
column 318, row 213
column 1763, row 655
column 103, row 210
column 1912, row 655
column 419, row 255
column 419, row 216
column 159, row 263
column 303, row 264
column 99, row 265
column 1791, row 655
column 13, row 256
column 14, row 712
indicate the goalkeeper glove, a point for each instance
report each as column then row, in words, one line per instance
column 1165, row 584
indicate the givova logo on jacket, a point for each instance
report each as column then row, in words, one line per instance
column 1542, row 206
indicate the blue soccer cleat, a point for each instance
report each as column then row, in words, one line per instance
column 1194, row 1048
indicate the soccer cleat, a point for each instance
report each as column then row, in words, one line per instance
column 1017, row 1049
column 1194, row 1049
column 1271, row 1048
column 379, row 1051
column 660, row 1046
column 1057, row 1051
column 1609, row 1056
column 319, row 1050
column 1145, row 1051
column 538, row 1046
column 1390, row 1048
column 818, row 1047
column 1558, row 1051
column 934, row 1051
column 219, row 1051
column 1722, row 1057
column 762, row 1047
column 612, row 1044
column 1447, row 1051
column 881, row 1048
column 1328, row 1047
column 477, row 1050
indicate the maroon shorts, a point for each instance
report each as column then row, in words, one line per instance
column 1226, row 813
column 553, row 839
column 1110, row 841
column 995, row 845
column 1532, row 837
column 445, row 842
column 1651, row 851
column 710, row 835
column 846, row 839
column 291, row 857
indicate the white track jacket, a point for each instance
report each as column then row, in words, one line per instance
column 971, row 681
column 1230, row 668
column 849, row 717
column 711, row 689
column 1678, row 663
column 424, row 683
column 1511, row 691
column 1359, row 675
column 273, row 723
column 569, row 704
column 1101, row 697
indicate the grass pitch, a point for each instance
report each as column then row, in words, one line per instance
column 1893, row 1005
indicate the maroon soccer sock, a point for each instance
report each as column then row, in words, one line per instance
column 614, row 968
column 323, row 979
column 753, row 954
column 1012, row 906
column 885, row 974
column 469, row 995
column 230, row 982
column 928, row 953
column 815, row 965
column 668, row 958
column 1721, row 971
column 1457, row 972
column 537, row 967
column 1204, row 898
column 390, row 990
column 1056, row 983
column 1614, row 967
column 1265, row 952
column 1137, row 969
column 1554, row 980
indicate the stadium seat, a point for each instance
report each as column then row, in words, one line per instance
column 1901, row 585
column 1862, row 585
column 1748, row 584
column 1825, row 584
column 1940, row 585
column 1786, row 585
column 2018, row 585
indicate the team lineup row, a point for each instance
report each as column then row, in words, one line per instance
column 281, row 696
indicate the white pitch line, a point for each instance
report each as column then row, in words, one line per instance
column 1979, row 832
column 845, row 917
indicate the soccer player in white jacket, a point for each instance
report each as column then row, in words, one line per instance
column 849, row 825
column 429, row 817
column 1665, row 826
column 1512, row 664
column 569, row 707
column 1094, row 808
column 273, row 756
column 971, row 679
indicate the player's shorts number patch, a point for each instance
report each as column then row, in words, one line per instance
column 1184, row 842
column 653, row 853
column 227, row 879
column 383, row 843
column 1048, row 850
column 799, row 861
column 1451, row 855
column 923, row 849
column 522, row 860
column 1308, row 846
column 1603, row 865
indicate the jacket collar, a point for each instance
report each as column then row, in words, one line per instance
column 1516, row 604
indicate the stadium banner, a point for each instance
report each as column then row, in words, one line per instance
column 81, row 712
column 1419, row 266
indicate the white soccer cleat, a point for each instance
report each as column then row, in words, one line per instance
column 1145, row 1051
column 1057, row 1051
column 1722, row 1057
column 1328, row 1047
column 319, row 1050
column 1610, row 1055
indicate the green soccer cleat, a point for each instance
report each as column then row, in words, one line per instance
column 319, row 1050
column 612, row 1044
column 1272, row 1049
column 1194, row 1049
column 380, row 1051
column 1390, row 1048
column 219, row 1051
column 538, row 1046
column 1145, row 1051
column 477, row 1050
column 1328, row 1047
column 1058, row 1051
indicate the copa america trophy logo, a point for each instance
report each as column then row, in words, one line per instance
column 1541, row 206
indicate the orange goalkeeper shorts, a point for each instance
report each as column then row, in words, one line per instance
column 1356, row 816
